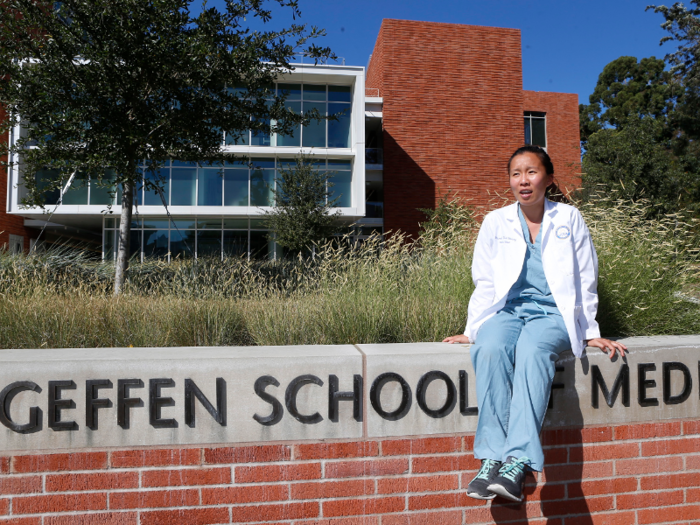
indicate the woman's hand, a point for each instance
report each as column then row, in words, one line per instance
column 461, row 338
column 608, row 346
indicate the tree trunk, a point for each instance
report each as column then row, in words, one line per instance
column 124, row 237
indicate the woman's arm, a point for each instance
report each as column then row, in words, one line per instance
column 607, row 346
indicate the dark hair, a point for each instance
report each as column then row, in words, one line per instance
column 553, row 191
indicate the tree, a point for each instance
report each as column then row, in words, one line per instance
column 101, row 84
column 683, row 24
column 302, row 213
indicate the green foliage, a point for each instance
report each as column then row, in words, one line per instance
column 302, row 214
column 384, row 291
column 100, row 84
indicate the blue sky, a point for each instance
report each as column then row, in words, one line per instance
column 566, row 43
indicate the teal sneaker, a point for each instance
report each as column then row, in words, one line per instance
column 510, row 479
column 477, row 488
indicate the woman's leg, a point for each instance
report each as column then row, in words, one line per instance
column 493, row 358
column 542, row 339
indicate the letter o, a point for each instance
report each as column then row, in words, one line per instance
column 422, row 389
column 376, row 391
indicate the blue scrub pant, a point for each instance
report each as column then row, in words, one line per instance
column 514, row 358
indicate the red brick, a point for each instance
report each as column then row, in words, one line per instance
column 248, row 494
column 294, row 472
column 20, row 485
column 576, row 436
column 692, row 495
column 185, row 477
column 58, row 462
column 692, row 462
column 644, row 500
column 332, row 489
column 402, row 447
column 354, row 449
column 92, row 481
column 188, row 516
column 691, row 427
column 669, row 514
column 449, row 517
column 632, row 467
column 258, row 454
column 468, row 443
column 577, row 506
column 601, row 452
column 417, row 484
column 59, row 503
column 422, row 465
column 442, row 501
column 286, row 511
column 613, row 518
column 615, row 485
column 501, row 511
column 558, row 455
column 575, row 472
column 155, row 458
column 4, row 506
column 351, row 469
column 20, row 521
column 359, row 507
column 548, row 491
column 670, row 446
column 107, row 518
column 679, row 480
column 648, row 430
column 362, row 520
column 153, row 499
column 4, row 465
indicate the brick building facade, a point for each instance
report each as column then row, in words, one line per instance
column 453, row 108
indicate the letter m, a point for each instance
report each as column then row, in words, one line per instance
column 622, row 381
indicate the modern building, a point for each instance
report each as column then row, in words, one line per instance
column 437, row 112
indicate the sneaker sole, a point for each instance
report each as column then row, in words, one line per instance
column 479, row 496
column 500, row 490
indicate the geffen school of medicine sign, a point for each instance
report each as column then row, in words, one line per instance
column 77, row 398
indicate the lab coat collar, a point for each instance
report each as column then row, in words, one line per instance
column 550, row 211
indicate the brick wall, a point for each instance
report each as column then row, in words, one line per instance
column 563, row 133
column 453, row 115
column 9, row 224
column 631, row 474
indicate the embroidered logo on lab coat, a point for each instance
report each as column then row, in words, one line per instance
column 563, row 232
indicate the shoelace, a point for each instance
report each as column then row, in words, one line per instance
column 486, row 467
column 514, row 468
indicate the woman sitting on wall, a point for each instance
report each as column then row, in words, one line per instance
column 536, row 272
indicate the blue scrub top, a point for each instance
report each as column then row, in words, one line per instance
column 531, row 285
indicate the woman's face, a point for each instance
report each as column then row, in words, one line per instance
column 529, row 180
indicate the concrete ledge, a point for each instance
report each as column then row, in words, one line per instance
column 125, row 397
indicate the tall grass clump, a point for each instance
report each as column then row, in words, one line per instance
column 378, row 291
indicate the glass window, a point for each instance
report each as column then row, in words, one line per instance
column 339, row 93
column 339, row 130
column 134, row 244
column 182, row 223
column 43, row 179
column 535, row 128
column 155, row 243
column 109, row 246
column 209, row 243
column 341, row 189
column 160, row 177
column 315, row 92
column 181, row 244
column 157, row 223
column 292, row 91
column 262, row 137
column 374, row 195
column 259, row 246
column 258, row 224
column 183, row 186
column 236, row 243
column 236, row 187
column 238, row 138
column 103, row 192
column 262, row 182
column 235, row 224
column 314, row 133
column 78, row 190
column 209, row 224
column 210, row 188
column 295, row 138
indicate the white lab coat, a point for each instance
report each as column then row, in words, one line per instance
column 568, row 258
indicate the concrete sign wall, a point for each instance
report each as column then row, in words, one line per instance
column 123, row 397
